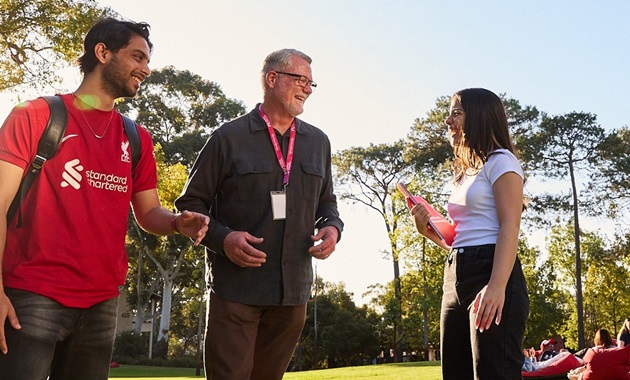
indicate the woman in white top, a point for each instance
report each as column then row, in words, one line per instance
column 484, row 304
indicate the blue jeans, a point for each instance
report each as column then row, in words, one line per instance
column 57, row 341
column 496, row 353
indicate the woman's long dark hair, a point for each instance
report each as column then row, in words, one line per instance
column 603, row 339
column 485, row 130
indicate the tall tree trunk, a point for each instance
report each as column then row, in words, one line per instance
column 398, row 330
column 315, row 343
column 139, row 317
column 425, row 311
column 161, row 349
column 578, row 263
column 200, row 334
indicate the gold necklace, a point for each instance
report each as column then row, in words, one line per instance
column 111, row 116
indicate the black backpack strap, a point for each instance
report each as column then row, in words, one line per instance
column 131, row 129
column 46, row 149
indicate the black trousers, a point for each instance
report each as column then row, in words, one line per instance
column 493, row 354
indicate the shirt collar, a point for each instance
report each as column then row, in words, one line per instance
column 257, row 123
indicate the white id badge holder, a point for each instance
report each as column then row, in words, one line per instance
column 279, row 205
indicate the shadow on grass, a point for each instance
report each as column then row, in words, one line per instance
column 136, row 371
column 415, row 364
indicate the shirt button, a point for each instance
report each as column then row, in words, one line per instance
column 461, row 250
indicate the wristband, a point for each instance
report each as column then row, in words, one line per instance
column 174, row 225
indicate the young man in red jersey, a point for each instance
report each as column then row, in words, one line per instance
column 64, row 266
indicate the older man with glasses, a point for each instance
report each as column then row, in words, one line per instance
column 265, row 181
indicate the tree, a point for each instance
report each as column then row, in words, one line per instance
column 612, row 179
column 620, row 250
column 561, row 261
column 376, row 170
column 605, row 274
column 346, row 337
column 37, row 38
column 387, row 317
column 563, row 146
column 542, row 289
column 521, row 119
column 606, row 286
column 172, row 259
column 181, row 109
column 422, row 283
column 187, row 312
column 422, row 294
column 427, row 146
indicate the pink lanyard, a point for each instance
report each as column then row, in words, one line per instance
column 285, row 166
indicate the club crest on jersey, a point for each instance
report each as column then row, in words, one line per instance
column 125, row 152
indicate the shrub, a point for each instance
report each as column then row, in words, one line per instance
column 130, row 345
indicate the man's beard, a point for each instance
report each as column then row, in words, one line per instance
column 295, row 110
column 114, row 81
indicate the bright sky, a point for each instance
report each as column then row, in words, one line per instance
column 381, row 64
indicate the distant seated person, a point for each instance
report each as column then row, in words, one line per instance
column 604, row 361
column 623, row 338
column 547, row 350
column 561, row 363
column 602, row 340
column 530, row 364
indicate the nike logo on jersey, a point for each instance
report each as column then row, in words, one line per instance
column 67, row 137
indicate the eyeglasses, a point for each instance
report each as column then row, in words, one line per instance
column 301, row 80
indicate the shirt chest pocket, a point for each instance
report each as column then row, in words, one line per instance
column 255, row 180
column 312, row 180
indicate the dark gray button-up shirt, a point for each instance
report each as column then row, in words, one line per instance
column 231, row 181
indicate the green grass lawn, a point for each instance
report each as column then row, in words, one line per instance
column 138, row 372
column 402, row 371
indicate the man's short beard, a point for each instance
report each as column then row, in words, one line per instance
column 295, row 111
column 114, row 81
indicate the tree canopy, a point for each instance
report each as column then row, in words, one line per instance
column 37, row 38
column 181, row 109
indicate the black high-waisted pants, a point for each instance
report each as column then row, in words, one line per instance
column 493, row 354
